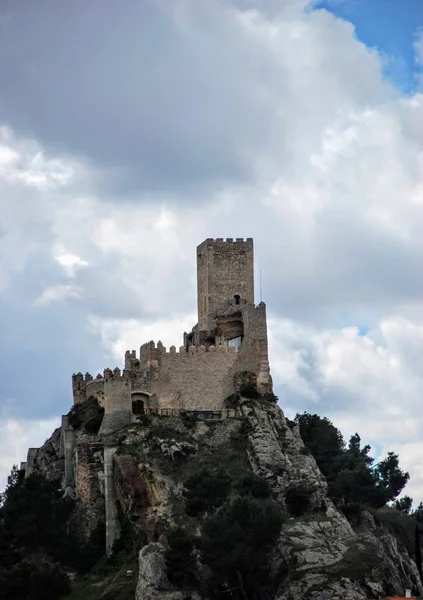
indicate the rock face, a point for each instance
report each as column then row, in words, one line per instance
column 318, row 551
column 153, row 583
column 321, row 551
column 278, row 454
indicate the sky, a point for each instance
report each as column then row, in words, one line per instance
column 132, row 131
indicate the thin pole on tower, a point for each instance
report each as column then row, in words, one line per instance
column 261, row 286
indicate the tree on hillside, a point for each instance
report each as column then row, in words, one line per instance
column 390, row 478
column 418, row 513
column 323, row 439
column 404, row 504
column 235, row 542
column 14, row 479
column 353, row 478
column 205, row 491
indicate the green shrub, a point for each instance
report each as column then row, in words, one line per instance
column 235, row 542
column 298, row 500
column 179, row 556
column 248, row 389
column 93, row 425
column 270, row 397
column 129, row 542
column 357, row 562
column 400, row 525
column 86, row 555
column 232, row 401
column 144, row 420
column 189, row 420
column 34, row 578
column 250, row 484
column 205, row 491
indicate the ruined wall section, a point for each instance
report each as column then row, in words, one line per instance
column 225, row 268
column 89, row 469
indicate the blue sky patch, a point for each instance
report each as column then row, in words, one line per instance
column 391, row 27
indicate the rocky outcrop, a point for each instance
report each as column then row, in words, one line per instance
column 50, row 461
column 320, row 551
column 317, row 551
column 278, row 454
column 153, row 583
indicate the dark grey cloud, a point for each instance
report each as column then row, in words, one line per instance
column 160, row 98
column 40, row 347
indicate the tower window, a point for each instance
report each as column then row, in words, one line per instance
column 236, row 342
column 237, row 298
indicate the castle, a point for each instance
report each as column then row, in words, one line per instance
column 225, row 349
column 230, row 338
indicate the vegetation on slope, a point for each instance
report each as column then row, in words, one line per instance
column 36, row 549
column 355, row 481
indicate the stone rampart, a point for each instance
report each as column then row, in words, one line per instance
column 199, row 377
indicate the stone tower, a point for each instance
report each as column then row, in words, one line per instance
column 225, row 273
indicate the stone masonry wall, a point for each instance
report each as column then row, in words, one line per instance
column 117, row 391
column 84, row 386
column 95, row 389
column 200, row 378
column 89, row 470
column 224, row 269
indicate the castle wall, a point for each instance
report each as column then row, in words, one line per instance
column 31, row 461
column 78, row 388
column 67, row 444
column 117, row 391
column 197, row 380
column 85, row 386
column 224, row 269
column 95, row 389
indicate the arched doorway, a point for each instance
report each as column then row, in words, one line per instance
column 139, row 403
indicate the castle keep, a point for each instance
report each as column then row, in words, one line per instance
column 229, row 339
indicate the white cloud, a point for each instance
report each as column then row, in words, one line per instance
column 71, row 263
column 58, row 293
column 122, row 335
column 272, row 123
column 16, row 437
column 371, row 384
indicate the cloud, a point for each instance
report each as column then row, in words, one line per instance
column 58, row 293
column 16, row 437
column 70, row 263
column 211, row 119
column 192, row 96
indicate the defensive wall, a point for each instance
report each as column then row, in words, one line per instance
column 193, row 378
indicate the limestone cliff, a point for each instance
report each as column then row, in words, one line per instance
column 316, row 550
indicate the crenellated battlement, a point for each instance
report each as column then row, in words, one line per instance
column 183, row 351
column 80, row 378
column 116, row 374
column 228, row 241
